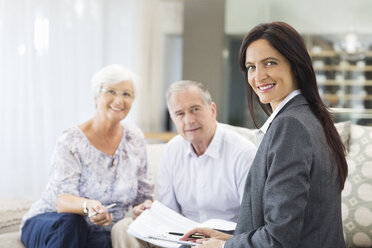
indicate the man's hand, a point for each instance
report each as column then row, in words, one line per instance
column 138, row 210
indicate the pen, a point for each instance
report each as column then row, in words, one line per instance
column 95, row 213
column 193, row 236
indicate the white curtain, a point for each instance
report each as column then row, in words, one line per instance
column 48, row 52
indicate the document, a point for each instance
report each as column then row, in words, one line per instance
column 154, row 225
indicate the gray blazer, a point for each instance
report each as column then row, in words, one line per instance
column 291, row 196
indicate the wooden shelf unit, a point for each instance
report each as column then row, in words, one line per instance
column 345, row 85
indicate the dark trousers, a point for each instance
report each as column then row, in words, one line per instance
column 63, row 230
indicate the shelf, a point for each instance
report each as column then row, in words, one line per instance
column 329, row 53
column 346, row 82
column 332, row 53
column 334, row 97
column 343, row 68
column 161, row 137
column 354, row 113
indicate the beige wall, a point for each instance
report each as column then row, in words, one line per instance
column 203, row 36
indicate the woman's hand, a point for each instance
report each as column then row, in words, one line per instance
column 98, row 214
column 213, row 238
column 67, row 203
column 208, row 233
column 209, row 243
column 138, row 210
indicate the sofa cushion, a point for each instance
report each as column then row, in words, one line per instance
column 154, row 154
column 343, row 129
column 357, row 195
column 247, row 133
column 11, row 240
column 11, row 212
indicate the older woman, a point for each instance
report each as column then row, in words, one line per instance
column 292, row 195
column 95, row 164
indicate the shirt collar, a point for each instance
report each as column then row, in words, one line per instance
column 213, row 148
column 294, row 93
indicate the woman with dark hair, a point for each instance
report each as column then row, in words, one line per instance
column 293, row 191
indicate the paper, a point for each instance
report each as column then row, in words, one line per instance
column 154, row 224
column 219, row 224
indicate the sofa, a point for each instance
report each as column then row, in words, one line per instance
column 356, row 197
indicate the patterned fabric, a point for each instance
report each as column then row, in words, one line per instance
column 357, row 195
column 78, row 168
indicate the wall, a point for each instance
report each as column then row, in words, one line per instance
column 315, row 16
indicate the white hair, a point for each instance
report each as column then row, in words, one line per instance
column 186, row 84
column 113, row 74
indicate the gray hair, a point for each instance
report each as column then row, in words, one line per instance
column 186, row 84
column 113, row 74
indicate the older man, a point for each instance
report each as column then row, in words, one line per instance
column 203, row 169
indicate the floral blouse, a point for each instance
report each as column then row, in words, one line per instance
column 78, row 168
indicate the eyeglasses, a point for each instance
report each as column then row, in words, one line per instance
column 114, row 93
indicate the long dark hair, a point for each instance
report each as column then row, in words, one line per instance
column 286, row 40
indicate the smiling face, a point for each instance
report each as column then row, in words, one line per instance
column 269, row 73
column 194, row 120
column 115, row 100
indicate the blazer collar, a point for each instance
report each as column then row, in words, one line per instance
column 278, row 110
column 294, row 102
